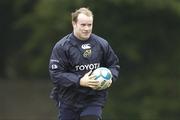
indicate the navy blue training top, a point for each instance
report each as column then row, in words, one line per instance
column 71, row 58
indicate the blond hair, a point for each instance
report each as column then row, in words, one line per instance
column 83, row 10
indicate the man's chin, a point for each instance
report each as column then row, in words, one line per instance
column 85, row 37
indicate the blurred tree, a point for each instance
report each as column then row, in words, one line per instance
column 5, row 31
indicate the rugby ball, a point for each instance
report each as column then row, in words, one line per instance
column 104, row 76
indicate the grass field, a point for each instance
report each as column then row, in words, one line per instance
column 26, row 100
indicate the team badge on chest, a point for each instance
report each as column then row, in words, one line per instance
column 87, row 50
column 87, row 53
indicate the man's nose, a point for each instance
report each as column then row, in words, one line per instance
column 86, row 27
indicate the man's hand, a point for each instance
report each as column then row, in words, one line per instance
column 106, row 85
column 88, row 80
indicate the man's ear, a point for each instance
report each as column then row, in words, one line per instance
column 73, row 23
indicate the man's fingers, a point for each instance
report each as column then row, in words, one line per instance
column 92, row 77
column 110, row 83
column 88, row 80
column 93, row 83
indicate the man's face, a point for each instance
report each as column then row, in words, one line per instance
column 83, row 27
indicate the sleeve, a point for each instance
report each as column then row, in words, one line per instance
column 58, row 69
column 112, row 62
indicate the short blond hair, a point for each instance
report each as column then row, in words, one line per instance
column 83, row 10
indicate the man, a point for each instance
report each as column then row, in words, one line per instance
column 72, row 60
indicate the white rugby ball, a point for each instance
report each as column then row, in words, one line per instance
column 104, row 76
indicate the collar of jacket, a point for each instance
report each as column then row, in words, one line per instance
column 75, row 41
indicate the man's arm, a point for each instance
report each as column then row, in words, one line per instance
column 58, row 69
column 112, row 62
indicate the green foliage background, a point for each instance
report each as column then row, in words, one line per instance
column 143, row 33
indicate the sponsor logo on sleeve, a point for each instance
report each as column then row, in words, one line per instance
column 54, row 66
